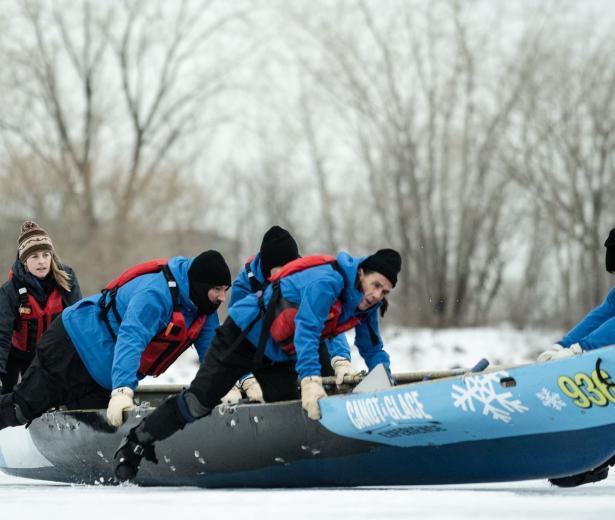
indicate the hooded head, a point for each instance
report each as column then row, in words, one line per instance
column 207, row 271
column 387, row 262
column 278, row 248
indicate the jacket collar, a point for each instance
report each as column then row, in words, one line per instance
column 179, row 266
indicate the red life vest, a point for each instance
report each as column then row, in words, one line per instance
column 282, row 328
column 168, row 345
column 33, row 319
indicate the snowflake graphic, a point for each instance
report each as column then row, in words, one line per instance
column 551, row 399
column 482, row 389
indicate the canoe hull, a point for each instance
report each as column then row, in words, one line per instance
column 511, row 425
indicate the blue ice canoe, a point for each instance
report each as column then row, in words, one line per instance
column 529, row 422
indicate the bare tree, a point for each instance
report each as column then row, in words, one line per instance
column 428, row 116
column 113, row 101
column 563, row 153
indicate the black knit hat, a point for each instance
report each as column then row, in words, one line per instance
column 387, row 262
column 278, row 248
column 207, row 270
column 210, row 268
column 610, row 252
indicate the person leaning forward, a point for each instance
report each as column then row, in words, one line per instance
column 38, row 289
column 107, row 342
column 597, row 328
column 338, row 294
column 278, row 247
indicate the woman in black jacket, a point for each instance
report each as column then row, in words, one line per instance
column 38, row 289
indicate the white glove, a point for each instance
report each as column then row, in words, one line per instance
column 556, row 351
column 311, row 392
column 342, row 368
column 121, row 399
column 252, row 389
column 233, row 396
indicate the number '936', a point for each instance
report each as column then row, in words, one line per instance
column 586, row 390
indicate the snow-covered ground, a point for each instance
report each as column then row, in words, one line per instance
column 531, row 499
column 410, row 350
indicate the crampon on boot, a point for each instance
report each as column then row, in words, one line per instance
column 127, row 458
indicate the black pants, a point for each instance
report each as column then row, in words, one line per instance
column 15, row 368
column 56, row 377
column 225, row 363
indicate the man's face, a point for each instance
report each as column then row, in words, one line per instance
column 217, row 294
column 374, row 287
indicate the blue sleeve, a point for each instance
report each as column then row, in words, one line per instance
column 316, row 302
column 207, row 334
column 603, row 336
column 147, row 313
column 338, row 346
column 372, row 354
column 240, row 288
column 597, row 329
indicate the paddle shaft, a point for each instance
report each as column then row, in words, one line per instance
column 414, row 377
column 403, row 377
column 353, row 379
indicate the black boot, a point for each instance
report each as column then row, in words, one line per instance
column 10, row 413
column 133, row 448
column 587, row 477
column 139, row 443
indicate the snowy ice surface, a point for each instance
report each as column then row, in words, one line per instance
column 410, row 350
column 25, row 499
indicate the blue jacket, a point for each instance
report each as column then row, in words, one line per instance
column 597, row 329
column 241, row 286
column 315, row 290
column 337, row 346
column 145, row 306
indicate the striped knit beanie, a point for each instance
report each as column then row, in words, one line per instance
column 32, row 239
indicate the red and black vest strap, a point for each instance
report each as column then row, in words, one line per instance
column 107, row 300
column 35, row 327
column 267, row 313
column 255, row 285
column 270, row 314
column 23, row 295
column 24, row 301
column 244, row 334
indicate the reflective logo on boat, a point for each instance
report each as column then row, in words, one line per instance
column 372, row 412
